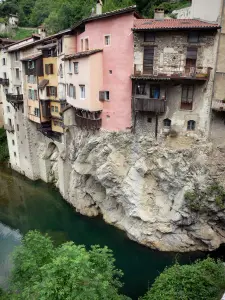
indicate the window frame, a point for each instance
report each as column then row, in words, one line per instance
column 109, row 37
column 152, row 39
column 185, row 103
column 84, row 91
column 17, row 73
column 191, row 125
column 76, row 67
column 197, row 37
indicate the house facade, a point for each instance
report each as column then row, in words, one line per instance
column 173, row 76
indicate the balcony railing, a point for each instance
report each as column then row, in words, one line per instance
column 14, row 98
column 4, row 81
column 88, row 123
column 9, row 128
column 218, row 105
column 187, row 73
column 150, row 105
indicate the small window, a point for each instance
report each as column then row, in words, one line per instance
column 86, row 45
column 70, row 66
column 60, row 46
column 82, row 91
column 16, row 56
column 51, row 91
column 13, row 142
column 82, row 45
column 14, row 154
column 17, row 73
column 52, row 108
column 72, row 91
column 4, row 61
column 141, row 89
column 56, row 109
column 193, row 37
column 149, row 120
column 149, row 37
column 49, row 69
column 187, row 97
column 8, row 109
column 191, row 125
column 37, row 112
column 4, row 75
column 154, row 92
column 30, row 64
column 166, row 122
column 9, row 122
column 17, row 126
column 76, row 69
column 104, row 95
column 110, row 71
column 60, row 71
column 107, row 40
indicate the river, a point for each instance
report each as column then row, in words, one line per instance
column 27, row 205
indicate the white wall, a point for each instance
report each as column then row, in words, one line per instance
column 206, row 9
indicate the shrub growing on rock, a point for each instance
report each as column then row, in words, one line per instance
column 203, row 280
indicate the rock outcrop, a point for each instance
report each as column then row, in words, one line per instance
column 138, row 185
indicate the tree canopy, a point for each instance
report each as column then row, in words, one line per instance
column 42, row 271
column 203, row 280
column 61, row 14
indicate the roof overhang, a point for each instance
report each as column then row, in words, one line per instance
column 82, row 54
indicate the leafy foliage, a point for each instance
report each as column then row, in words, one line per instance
column 42, row 271
column 203, row 280
column 4, row 152
column 61, row 14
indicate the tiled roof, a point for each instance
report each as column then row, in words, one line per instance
column 32, row 57
column 82, row 54
column 172, row 24
column 43, row 84
column 48, row 46
column 109, row 14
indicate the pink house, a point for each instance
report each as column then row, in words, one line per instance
column 104, row 44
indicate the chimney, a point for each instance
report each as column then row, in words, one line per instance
column 99, row 7
column 42, row 31
column 159, row 14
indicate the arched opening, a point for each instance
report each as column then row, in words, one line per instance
column 167, row 123
column 191, row 125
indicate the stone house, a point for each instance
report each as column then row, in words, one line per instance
column 173, row 76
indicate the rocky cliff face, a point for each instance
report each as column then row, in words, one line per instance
column 138, row 185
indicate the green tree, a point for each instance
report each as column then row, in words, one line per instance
column 203, row 280
column 42, row 271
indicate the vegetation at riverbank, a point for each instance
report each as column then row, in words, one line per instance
column 61, row 14
column 68, row 271
column 4, row 151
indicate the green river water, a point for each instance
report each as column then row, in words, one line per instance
column 27, row 205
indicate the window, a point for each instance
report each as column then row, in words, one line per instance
column 56, row 109
column 51, row 91
column 82, row 45
column 149, row 37
column 148, row 62
column 70, row 66
column 29, row 94
column 9, row 122
column 17, row 126
column 30, row 64
column 16, row 56
column 61, row 71
column 14, row 154
column 104, row 95
column 60, row 46
column 8, row 109
column 50, row 53
column 76, row 69
column 187, row 97
column 72, row 91
column 49, row 69
column 37, row 112
column 82, row 91
column 110, row 71
column 4, row 61
column 18, row 90
column 4, row 75
column 149, row 120
column 141, row 89
column 154, row 91
column 192, row 53
column 52, row 108
column 86, row 44
column 191, row 125
column 166, row 122
column 193, row 37
column 17, row 73
column 107, row 40
column 13, row 142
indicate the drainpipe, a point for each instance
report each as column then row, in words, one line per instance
column 217, row 53
column 156, row 125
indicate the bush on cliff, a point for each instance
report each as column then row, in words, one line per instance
column 4, row 152
column 203, row 280
column 42, row 271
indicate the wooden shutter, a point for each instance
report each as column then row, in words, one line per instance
column 46, row 69
column 101, row 95
column 74, row 92
column 51, row 69
column 148, row 60
column 55, row 91
column 48, row 90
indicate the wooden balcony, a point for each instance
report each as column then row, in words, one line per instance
column 4, row 81
column 9, row 128
column 150, row 105
column 218, row 105
column 45, row 127
column 87, row 123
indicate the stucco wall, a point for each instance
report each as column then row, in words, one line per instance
column 118, row 57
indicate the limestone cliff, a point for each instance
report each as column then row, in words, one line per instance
column 138, row 185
